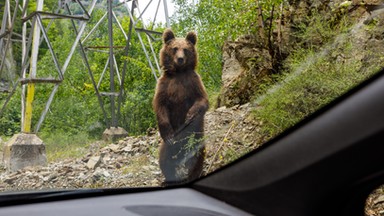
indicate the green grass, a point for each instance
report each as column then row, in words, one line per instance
column 326, row 63
column 136, row 164
column 61, row 145
column 303, row 90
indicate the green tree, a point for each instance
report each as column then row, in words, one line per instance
column 217, row 21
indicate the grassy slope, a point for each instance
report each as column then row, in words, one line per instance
column 314, row 78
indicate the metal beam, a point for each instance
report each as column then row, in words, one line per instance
column 48, row 15
column 64, row 68
column 32, row 71
column 39, row 80
column 111, row 69
column 7, row 14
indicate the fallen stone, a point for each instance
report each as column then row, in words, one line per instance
column 114, row 147
column 127, row 148
column 100, row 174
column 10, row 180
column 94, row 162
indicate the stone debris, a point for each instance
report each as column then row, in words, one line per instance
column 103, row 167
column 132, row 161
column 94, row 162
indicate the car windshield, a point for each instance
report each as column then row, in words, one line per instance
column 128, row 93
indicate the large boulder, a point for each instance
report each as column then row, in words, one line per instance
column 246, row 63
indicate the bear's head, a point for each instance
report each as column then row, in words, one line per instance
column 178, row 54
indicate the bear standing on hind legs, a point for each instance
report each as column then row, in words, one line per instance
column 180, row 104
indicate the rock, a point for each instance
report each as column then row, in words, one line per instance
column 10, row 179
column 94, row 162
column 246, row 64
column 100, row 174
column 114, row 147
column 220, row 109
column 127, row 148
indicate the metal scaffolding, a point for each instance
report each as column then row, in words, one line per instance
column 31, row 39
column 6, row 36
column 6, row 32
column 117, row 89
column 34, row 33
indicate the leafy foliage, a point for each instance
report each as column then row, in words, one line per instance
column 314, row 77
column 218, row 21
column 10, row 120
column 75, row 109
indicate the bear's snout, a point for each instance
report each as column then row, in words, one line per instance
column 180, row 60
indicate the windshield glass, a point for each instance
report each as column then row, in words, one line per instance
column 108, row 94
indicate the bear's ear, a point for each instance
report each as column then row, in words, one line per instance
column 168, row 35
column 191, row 37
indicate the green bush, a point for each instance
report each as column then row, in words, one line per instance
column 307, row 86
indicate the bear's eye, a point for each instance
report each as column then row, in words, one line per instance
column 175, row 50
column 185, row 50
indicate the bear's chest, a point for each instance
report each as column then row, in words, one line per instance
column 180, row 92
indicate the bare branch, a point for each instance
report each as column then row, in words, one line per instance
column 261, row 20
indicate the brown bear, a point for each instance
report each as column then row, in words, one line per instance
column 180, row 103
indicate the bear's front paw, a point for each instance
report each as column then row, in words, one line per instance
column 169, row 140
column 189, row 117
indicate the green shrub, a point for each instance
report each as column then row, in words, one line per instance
column 305, row 89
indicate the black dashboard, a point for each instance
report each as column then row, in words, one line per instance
column 172, row 202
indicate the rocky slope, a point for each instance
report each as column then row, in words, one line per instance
column 132, row 162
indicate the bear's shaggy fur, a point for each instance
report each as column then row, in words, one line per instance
column 180, row 104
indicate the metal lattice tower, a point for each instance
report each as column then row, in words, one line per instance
column 6, row 33
column 31, row 38
column 6, row 36
column 144, row 34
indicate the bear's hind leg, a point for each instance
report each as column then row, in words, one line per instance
column 195, row 164
column 168, row 165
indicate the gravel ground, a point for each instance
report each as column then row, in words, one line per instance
column 132, row 161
